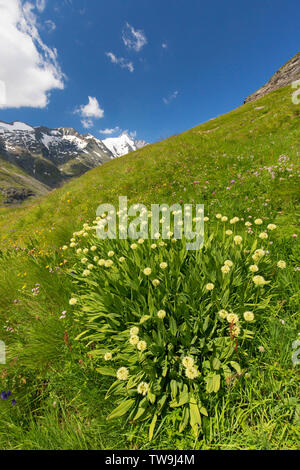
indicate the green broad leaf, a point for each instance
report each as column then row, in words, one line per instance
column 121, row 409
column 116, row 386
column 183, row 398
column 81, row 334
column 152, row 427
column 106, row 371
column 173, row 326
column 151, row 307
column 216, row 363
column 195, row 417
column 203, row 410
column 161, row 403
column 185, row 419
column 173, row 385
column 236, row 366
column 225, row 296
column 206, row 323
column 151, row 396
column 134, row 380
column 213, row 383
column 227, row 371
column 141, row 409
column 253, row 247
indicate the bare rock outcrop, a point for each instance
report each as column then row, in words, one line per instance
column 288, row 73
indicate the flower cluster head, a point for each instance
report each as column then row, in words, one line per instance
column 232, row 318
column 225, row 269
column 133, row 340
column 188, row 361
column 161, row 314
column 281, row 264
column 147, row 271
column 73, row 301
column 271, row 227
column 134, row 331
column 234, row 220
column 209, row 286
column 143, row 388
column 235, row 330
column 258, row 254
column 142, row 345
column 249, row 316
column 163, row 265
column 263, row 236
column 238, row 239
column 122, row 373
column 108, row 356
column 156, row 282
column 253, row 268
column 259, row 280
column 223, row 314
column 191, row 371
column 258, row 221
column 108, row 263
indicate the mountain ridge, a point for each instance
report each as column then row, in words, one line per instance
column 288, row 73
column 54, row 156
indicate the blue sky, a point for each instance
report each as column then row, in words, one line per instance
column 155, row 68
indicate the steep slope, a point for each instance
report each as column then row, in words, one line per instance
column 288, row 73
column 210, row 164
column 16, row 185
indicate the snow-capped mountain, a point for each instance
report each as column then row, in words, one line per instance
column 52, row 156
column 122, row 145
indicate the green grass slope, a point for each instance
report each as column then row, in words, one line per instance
column 244, row 164
column 246, row 139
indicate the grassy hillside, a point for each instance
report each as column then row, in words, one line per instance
column 242, row 141
column 245, row 390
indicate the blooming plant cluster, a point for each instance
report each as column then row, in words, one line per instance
column 173, row 327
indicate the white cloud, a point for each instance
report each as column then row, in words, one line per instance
column 87, row 123
column 41, row 5
column 170, row 97
column 91, row 110
column 29, row 68
column 133, row 39
column 50, row 25
column 123, row 63
column 110, row 131
column 164, row 45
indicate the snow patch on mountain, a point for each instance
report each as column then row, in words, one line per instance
column 123, row 144
column 16, row 126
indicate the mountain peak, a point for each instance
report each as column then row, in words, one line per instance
column 288, row 73
column 123, row 144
